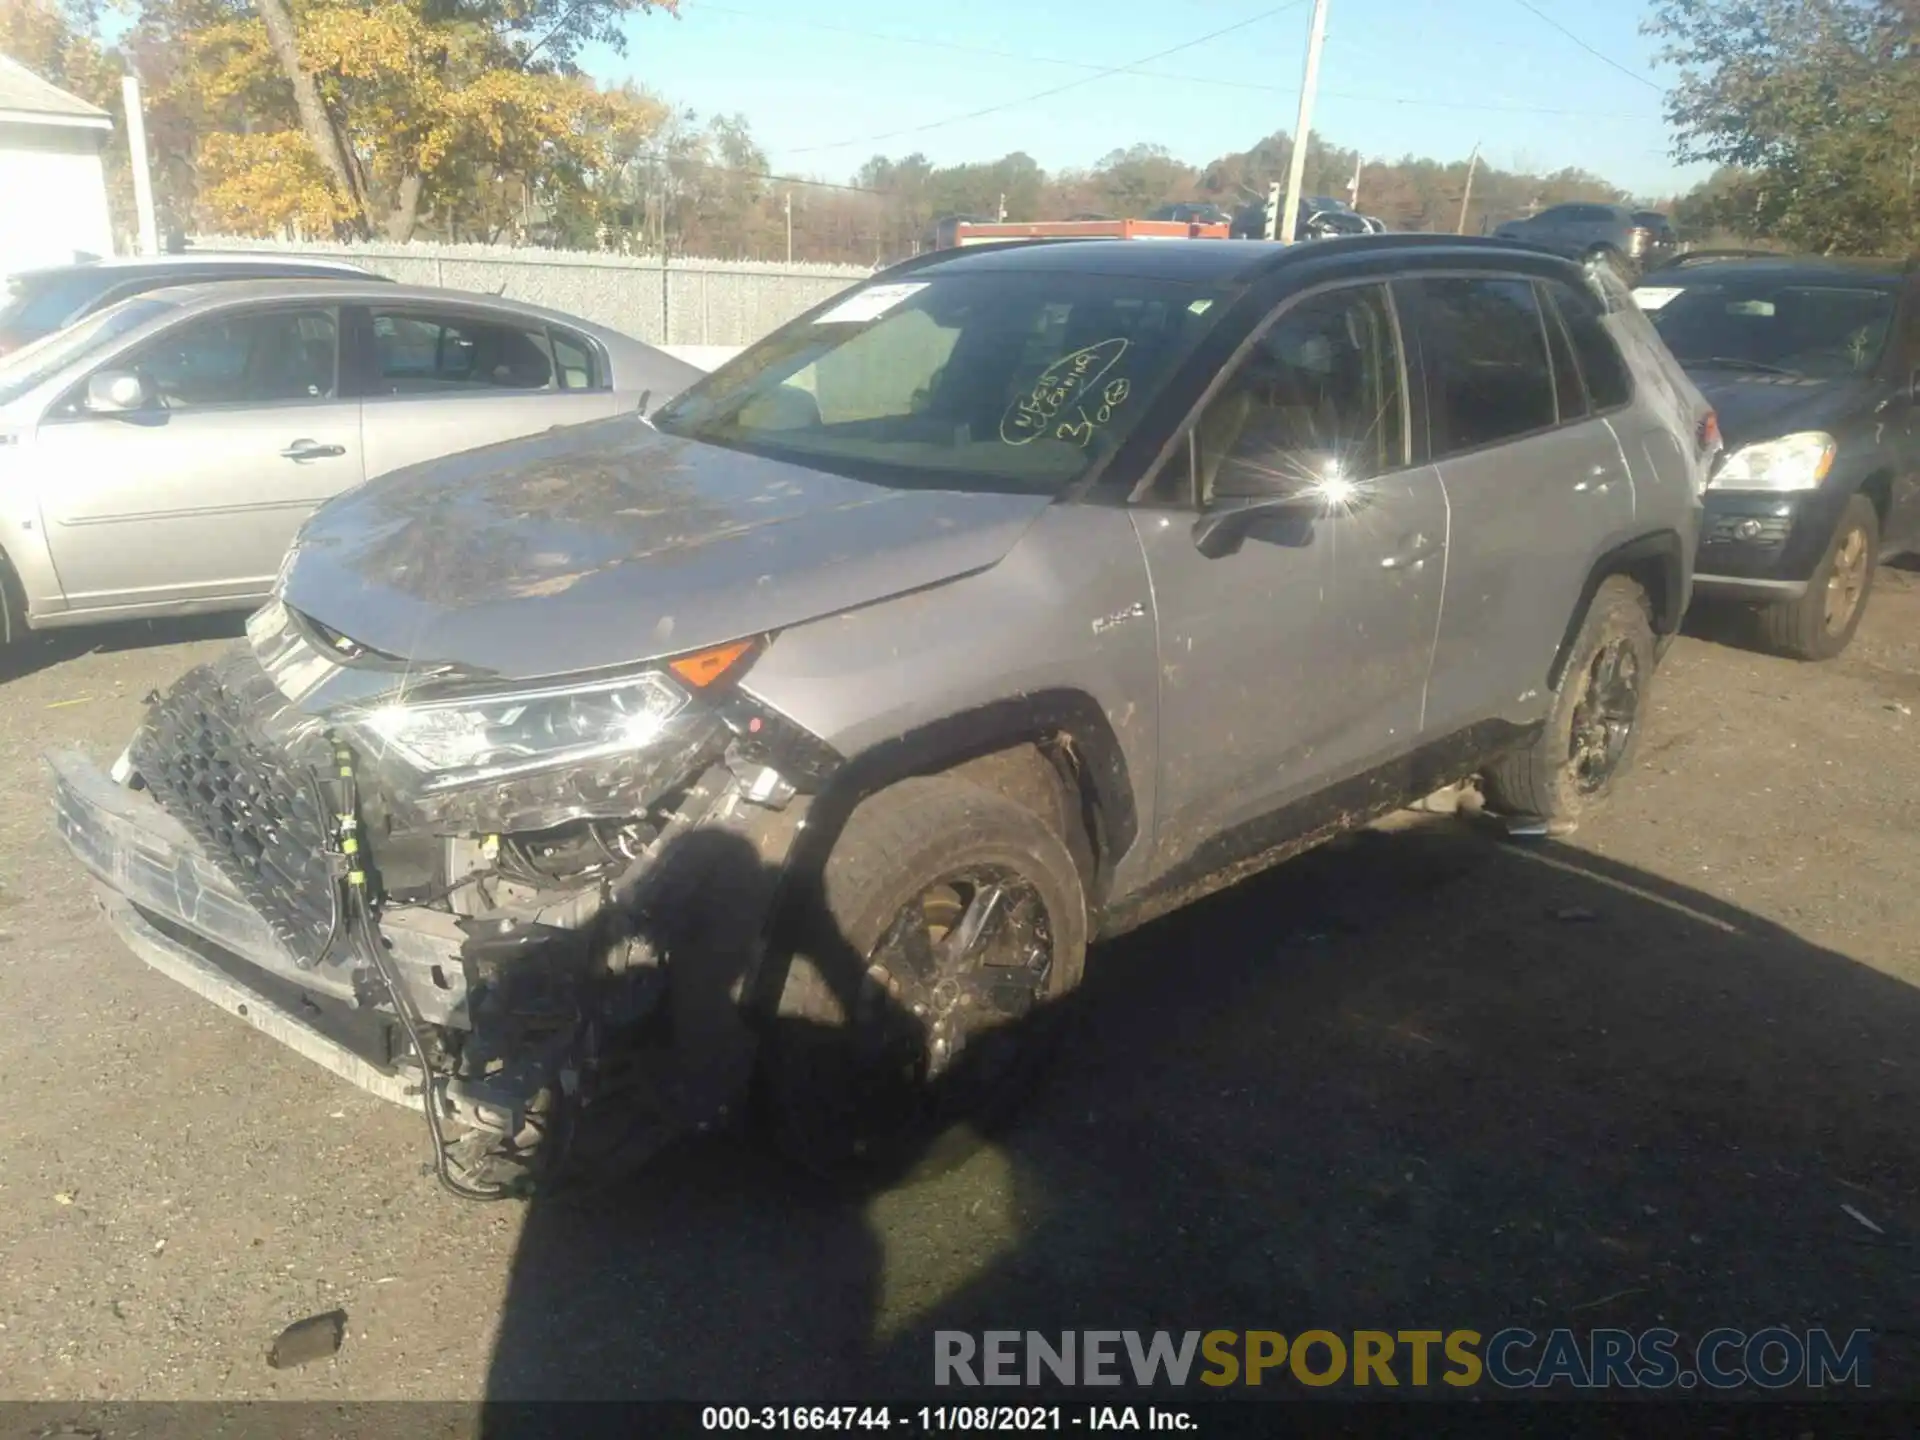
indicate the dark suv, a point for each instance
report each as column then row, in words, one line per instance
column 1814, row 367
column 821, row 721
column 40, row 302
column 1610, row 233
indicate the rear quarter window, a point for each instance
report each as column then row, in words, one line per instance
column 1602, row 367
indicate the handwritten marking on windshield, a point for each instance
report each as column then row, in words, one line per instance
column 1080, row 431
column 1065, row 382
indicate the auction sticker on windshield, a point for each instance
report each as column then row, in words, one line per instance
column 869, row 304
column 1652, row 297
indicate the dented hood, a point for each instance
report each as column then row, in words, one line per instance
column 611, row 544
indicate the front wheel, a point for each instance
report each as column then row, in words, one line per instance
column 1594, row 726
column 922, row 1001
column 1820, row 624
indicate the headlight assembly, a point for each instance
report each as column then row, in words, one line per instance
column 487, row 737
column 1793, row 462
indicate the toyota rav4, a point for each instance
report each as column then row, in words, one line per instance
column 795, row 741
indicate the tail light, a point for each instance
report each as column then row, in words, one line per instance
column 1710, row 432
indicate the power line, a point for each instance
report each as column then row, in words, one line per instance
column 992, row 52
column 1537, row 12
column 1055, row 90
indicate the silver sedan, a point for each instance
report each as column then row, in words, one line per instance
column 157, row 457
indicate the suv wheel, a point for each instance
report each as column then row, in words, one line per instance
column 1819, row 625
column 1594, row 725
column 919, row 1008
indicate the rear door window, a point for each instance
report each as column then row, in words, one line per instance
column 1484, row 343
column 424, row 353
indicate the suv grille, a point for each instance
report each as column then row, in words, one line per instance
column 245, row 799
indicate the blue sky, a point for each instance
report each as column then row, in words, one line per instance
column 1397, row 77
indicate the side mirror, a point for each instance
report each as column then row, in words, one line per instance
column 117, row 392
column 1307, row 486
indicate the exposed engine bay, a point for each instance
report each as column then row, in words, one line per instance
column 557, row 950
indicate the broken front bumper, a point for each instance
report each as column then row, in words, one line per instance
column 177, row 912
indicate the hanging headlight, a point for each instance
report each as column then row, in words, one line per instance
column 492, row 736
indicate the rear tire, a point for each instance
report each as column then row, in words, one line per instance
column 896, row 1043
column 1820, row 624
column 1594, row 726
column 13, row 614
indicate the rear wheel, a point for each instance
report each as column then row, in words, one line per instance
column 13, row 612
column 1820, row 624
column 920, row 1009
column 1594, row 725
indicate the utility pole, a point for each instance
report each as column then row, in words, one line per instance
column 1353, row 190
column 1466, row 197
column 789, row 227
column 1303, row 125
column 142, row 175
column 1000, row 210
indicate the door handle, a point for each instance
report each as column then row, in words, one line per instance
column 1416, row 549
column 312, row 450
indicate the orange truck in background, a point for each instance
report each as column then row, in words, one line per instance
column 974, row 233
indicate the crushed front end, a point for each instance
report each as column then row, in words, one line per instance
column 534, row 911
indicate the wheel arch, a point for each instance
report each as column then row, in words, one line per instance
column 1657, row 562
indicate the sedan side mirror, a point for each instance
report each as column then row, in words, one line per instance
column 118, row 392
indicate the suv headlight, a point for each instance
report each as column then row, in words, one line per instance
column 487, row 737
column 1793, row 462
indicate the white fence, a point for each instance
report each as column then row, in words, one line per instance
column 705, row 305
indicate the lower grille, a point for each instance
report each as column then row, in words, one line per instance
column 206, row 759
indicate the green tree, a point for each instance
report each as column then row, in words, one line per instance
column 1816, row 101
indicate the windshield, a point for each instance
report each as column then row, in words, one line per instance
column 1777, row 326
column 25, row 368
column 37, row 304
column 999, row 381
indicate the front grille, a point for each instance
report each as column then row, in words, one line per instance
column 205, row 756
column 1768, row 531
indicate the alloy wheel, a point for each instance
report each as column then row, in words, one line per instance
column 1603, row 720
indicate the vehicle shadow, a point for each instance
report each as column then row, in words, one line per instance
column 43, row 650
column 1424, row 1079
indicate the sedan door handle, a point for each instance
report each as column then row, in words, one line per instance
column 1416, row 549
column 312, row 450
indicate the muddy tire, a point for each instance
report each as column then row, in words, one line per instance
column 923, row 1001
column 1820, row 624
column 1594, row 726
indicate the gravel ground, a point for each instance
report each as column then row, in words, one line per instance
column 1421, row 1079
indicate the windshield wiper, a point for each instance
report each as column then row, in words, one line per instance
column 1732, row 362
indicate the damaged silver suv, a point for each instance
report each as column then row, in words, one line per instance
column 793, row 743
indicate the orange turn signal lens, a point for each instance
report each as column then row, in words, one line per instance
column 704, row 667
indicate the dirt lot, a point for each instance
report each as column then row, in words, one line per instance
column 1422, row 1080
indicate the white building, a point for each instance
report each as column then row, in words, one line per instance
column 53, row 190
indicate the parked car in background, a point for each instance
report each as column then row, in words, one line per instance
column 1310, row 223
column 1664, row 242
column 1611, row 234
column 1002, row 603
column 39, row 302
column 1192, row 213
column 157, row 457
column 1813, row 365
